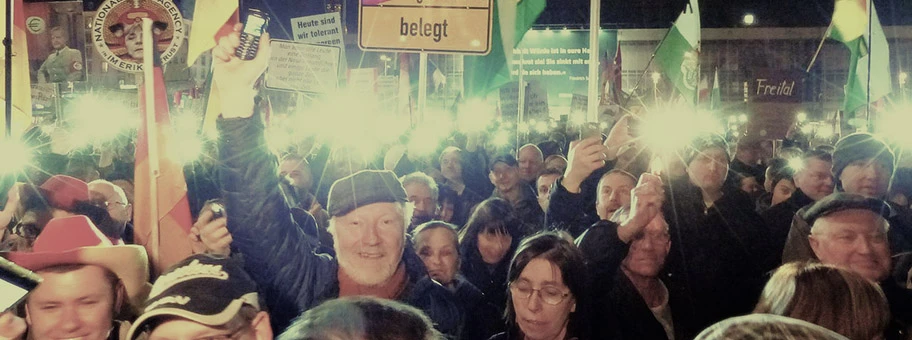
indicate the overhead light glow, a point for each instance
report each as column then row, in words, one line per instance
column 16, row 156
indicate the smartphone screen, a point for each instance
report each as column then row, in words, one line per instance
column 589, row 130
column 254, row 25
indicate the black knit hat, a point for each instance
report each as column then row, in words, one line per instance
column 202, row 288
column 362, row 188
column 859, row 146
column 701, row 143
column 844, row 201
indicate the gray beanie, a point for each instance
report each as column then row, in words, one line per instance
column 859, row 146
column 363, row 188
column 703, row 142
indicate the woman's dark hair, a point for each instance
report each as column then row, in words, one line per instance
column 779, row 169
column 491, row 215
column 569, row 260
column 362, row 318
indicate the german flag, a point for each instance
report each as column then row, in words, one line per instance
column 162, row 219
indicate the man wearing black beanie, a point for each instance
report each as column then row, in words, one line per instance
column 863, row 164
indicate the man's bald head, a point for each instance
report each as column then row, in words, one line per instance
column 113, row 197
column 531, row 161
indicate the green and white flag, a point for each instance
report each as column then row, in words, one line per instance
column 850, row 26
column 678, row 54
column 715, row 96
column 512, row 19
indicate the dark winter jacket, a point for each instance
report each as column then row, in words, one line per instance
column 618, row 309
column 778, row 221
column 718, row 255
column 281, row 258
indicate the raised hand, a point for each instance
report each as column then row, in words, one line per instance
column 235, row 78
column 645, row 204
column 210, row 235
column 586, row 156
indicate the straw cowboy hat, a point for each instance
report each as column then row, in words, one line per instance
column 76, row 240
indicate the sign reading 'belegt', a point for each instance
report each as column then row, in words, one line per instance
column 441, row 26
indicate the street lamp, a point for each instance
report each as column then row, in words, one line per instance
column 748, row 19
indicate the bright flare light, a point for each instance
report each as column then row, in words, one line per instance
column 825, row 133
column 894, row 125
column 796, row 164
column 801, row 116
column 501, row 138
column 16, row 156
column 94, row 119
column 742, row 118
column 475, row 115
column 670, row 129
column 541, row 127
column 807, row 129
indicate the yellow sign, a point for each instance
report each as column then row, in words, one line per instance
column 440, row 26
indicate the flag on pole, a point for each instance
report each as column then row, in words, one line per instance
column 850, row 26
column 678, row 53
column 212, row 20
column 613, row 78
column 162, row 217
column 484, row 74
column 715, row 96
column 21, row 89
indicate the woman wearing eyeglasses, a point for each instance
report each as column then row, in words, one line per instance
column 547, row 279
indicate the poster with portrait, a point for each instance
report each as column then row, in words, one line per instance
column 117, row 31
column 56, row 41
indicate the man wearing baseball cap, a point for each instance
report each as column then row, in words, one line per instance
column 368, row 213
column 89, row 286
column 504, row 173
column 863, row 165
column 203, row 296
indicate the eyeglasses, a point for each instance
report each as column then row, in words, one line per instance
column 26, row 230
column 109, row 204
column 550, row 295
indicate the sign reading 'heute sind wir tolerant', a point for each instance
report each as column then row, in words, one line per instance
column 442, row 26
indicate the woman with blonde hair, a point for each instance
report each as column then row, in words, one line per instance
column 832, row 297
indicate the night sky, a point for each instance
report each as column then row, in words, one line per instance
column 625, row 13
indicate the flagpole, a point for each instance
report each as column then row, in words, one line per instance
column 8, row 67
column 151, row 135
column 595, row 27
column 646, row 69
column 819, row 47
column 422, row 84
column 870, row 50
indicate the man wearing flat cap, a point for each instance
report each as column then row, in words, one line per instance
column 368, row 213
column 852, row 231
column 863, row 165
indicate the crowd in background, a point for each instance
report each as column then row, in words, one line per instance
column 581, row 239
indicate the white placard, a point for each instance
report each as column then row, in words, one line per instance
column 303, row 67
column 320, row 29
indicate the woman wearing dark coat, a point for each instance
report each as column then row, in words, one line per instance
column 486, row 245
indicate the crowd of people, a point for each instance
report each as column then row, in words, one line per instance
column 592, row 243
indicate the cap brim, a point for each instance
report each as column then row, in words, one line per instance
column 209, row 320
column 128, row 262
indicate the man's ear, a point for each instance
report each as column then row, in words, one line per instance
column 261, row 326
column 119, row 293
column 815, row 244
